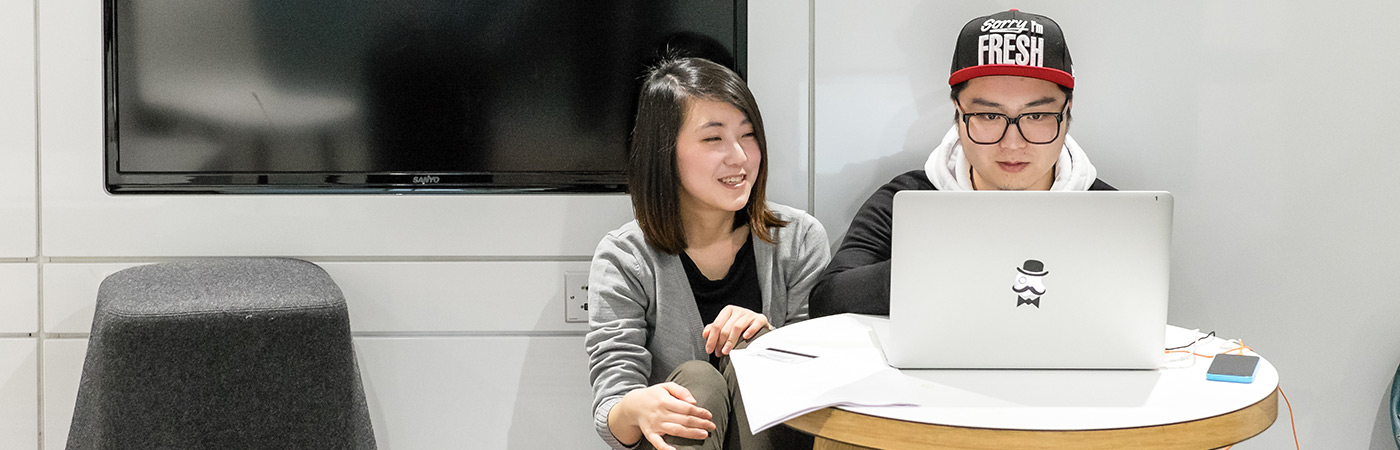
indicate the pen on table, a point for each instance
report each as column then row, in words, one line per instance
column 790, row 352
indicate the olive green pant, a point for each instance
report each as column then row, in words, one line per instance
column 717, row 390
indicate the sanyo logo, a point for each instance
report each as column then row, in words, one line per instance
column 426, row 179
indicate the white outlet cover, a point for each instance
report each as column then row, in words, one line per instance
column 575, row 296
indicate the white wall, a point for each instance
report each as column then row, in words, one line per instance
column 19, row 297
column 1268, row 121
column 18, row 223
column 780, row 78
column 1272, row 122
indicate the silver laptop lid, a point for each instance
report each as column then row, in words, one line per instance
column 1065, row 280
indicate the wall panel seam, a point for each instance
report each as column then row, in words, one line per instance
column 812, row 107
column 38, row 233
column 324, row 259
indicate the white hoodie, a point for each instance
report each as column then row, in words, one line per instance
column 949, row 170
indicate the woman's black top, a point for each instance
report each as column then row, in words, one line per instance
column 739, row 287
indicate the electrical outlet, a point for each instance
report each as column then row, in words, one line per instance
column 576, row 296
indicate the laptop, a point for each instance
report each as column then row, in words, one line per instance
column 1028, row 280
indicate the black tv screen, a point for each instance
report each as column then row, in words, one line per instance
column 388, row 96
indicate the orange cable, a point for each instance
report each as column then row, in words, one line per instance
column 1241, row 349
column 1193, row 353
column 1290, row 418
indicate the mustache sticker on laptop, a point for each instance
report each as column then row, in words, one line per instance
column 1029, row 284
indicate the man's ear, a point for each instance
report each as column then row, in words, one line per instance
column 1069, row 108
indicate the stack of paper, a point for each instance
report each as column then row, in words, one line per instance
column 790, row 372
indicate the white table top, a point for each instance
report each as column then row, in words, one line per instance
column 1013, row 399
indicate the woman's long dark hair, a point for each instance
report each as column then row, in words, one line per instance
column 653, row 179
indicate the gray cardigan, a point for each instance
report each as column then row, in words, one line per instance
column 643, row 318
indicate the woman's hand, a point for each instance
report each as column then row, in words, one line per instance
column 656, row 411
column 732, row 323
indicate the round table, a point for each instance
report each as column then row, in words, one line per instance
column 1173, row 407
column 837, row 429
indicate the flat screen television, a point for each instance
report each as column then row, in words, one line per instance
column 388, row 96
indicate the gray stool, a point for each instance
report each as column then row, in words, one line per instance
column 221, row 353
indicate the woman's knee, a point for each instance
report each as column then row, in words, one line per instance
column 705, row 383
column 696, row 373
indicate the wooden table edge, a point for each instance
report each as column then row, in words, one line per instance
column 840, row 429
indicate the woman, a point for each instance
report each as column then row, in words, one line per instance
column 707, row 264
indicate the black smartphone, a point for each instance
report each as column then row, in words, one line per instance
column 1233, row 368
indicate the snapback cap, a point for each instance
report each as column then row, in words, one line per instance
column 1012, row 43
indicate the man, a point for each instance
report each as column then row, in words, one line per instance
column 1012, row 88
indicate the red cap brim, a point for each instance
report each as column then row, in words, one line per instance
column 1056, row 76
